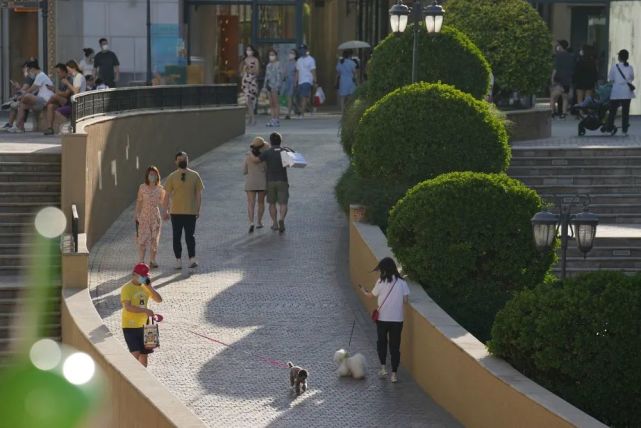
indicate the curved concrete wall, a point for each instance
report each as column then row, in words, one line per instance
column 102, row 167
column 452, row 365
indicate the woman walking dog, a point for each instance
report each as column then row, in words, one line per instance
column 392, row 293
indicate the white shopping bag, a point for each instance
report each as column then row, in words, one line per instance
column 319, row 97
column 292, row 159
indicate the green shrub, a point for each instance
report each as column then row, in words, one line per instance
column 377, row 195
column 352, row 116
column 581, row 339
column 448, row 57
column 466, row 237
column 420, row 131
column 513, row 37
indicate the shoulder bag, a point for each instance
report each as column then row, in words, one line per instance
column 375, row 312
column 630, row 85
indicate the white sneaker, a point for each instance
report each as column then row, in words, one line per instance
column 179, row 264
column 394, row 378
column 193, row 263
column 16, row 130
column 382, row 372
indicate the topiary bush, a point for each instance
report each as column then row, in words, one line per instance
column 378, row 195
column 513, row 38
column 352, row 116
column 422, row 130
column 466, row 237
column 580, row 338
column 449, row 57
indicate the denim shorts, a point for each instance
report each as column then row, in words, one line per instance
column 305, row 90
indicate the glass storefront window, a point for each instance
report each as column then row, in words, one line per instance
column 276, row 22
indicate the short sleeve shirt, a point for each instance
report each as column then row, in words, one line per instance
column 105, row 63
column 275, row 169
column 138, row 296
column 305, row 65
column 80, row 82
column 392, row 309
column 183, row 192
column 42, row 81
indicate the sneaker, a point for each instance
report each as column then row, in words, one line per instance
column 179, row 264
column 394, row 378
column 382, row 372
column 7, row 126
column 251, row 228
column 193, row 263
column 270, row 123
column 153, row 265
column 613, row 131
column 288, row 117
column 281, row 226
column 16, row 130
column 276, row 124
column 49, row 131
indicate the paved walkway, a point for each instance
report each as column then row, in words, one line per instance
column 271, row 297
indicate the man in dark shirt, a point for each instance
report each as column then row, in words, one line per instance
column 106, row 65
column 277, row 184
column 564, row 64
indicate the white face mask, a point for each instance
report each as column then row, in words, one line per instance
column 105, row 47
column 292, row 56
column 153, row 178
column 249, row 53
column 272, row 57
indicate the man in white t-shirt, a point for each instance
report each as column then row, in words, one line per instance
column 36, row 96
column 76, row 86
column 305, row 77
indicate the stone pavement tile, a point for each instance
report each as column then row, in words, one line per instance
column 273, row 298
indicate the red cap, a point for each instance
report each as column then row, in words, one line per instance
column 141, row 269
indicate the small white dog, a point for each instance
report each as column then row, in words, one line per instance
column 354, row 366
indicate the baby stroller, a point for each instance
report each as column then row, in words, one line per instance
column 593, row 111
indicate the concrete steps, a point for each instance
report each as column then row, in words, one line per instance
column 611, row 176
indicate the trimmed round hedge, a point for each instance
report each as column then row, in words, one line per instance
column 513, row 37
column 449, row 57
column 422, row 130
column 466, row 237
column 581, row 339
column 352, row 116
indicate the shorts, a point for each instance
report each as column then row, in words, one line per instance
column 65, row 110
column 305, row 90
column 135, row 340
column 39, row 105
column 278, row 191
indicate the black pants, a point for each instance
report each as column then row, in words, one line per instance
column 392, row 330
column 625, row 114
column 178, row 223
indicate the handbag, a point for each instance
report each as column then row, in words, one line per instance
column 151, row 334
column 375, row 312
column 630, row 85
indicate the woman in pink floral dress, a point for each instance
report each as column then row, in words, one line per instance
column 148, row 215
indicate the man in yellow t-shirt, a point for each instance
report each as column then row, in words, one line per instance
column 184, row 189
column 134, row 296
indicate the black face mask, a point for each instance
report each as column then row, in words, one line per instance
column 182, row 164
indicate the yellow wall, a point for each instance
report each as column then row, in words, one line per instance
column 453, row 366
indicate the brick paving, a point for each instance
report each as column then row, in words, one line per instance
column 271, row 297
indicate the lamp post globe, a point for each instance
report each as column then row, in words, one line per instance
column 544, row 225
column 434, row 18
column 585, row 224
column 398, row 17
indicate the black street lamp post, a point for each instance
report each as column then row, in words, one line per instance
column 401, row 14
column 545, row 226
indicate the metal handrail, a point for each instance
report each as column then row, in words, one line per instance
column 75, row 221
column 95, row 103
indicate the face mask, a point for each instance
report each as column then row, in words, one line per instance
column 105, row 47
column 292, row 56
column 182, row 164
column 153, row 179
column 25, row 73
column 272, row 57
column 142, row 279
column 249, row 53
column 581, row 53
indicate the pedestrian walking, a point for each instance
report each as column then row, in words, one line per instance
column 392, row 294
column 621, row 75
column 106, row 65
column 273, row 82
column 346, row 72
column 564, row 63
column 255, row 182
column 289, row 83
column 277, row 183
column 148, row 215
column 134, row 297
column 585, row 74
column 183, row 195
column 305, row 78
column 249, row 69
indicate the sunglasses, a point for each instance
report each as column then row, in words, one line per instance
column 182, row 177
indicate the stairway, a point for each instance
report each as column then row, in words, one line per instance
column 611, row 176
column 28, row 182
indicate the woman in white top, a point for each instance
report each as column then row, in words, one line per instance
column 621, row 75
column 86, row 63
column 392, row 293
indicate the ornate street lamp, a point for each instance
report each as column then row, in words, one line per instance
column 545, row 225
column 400, row 15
